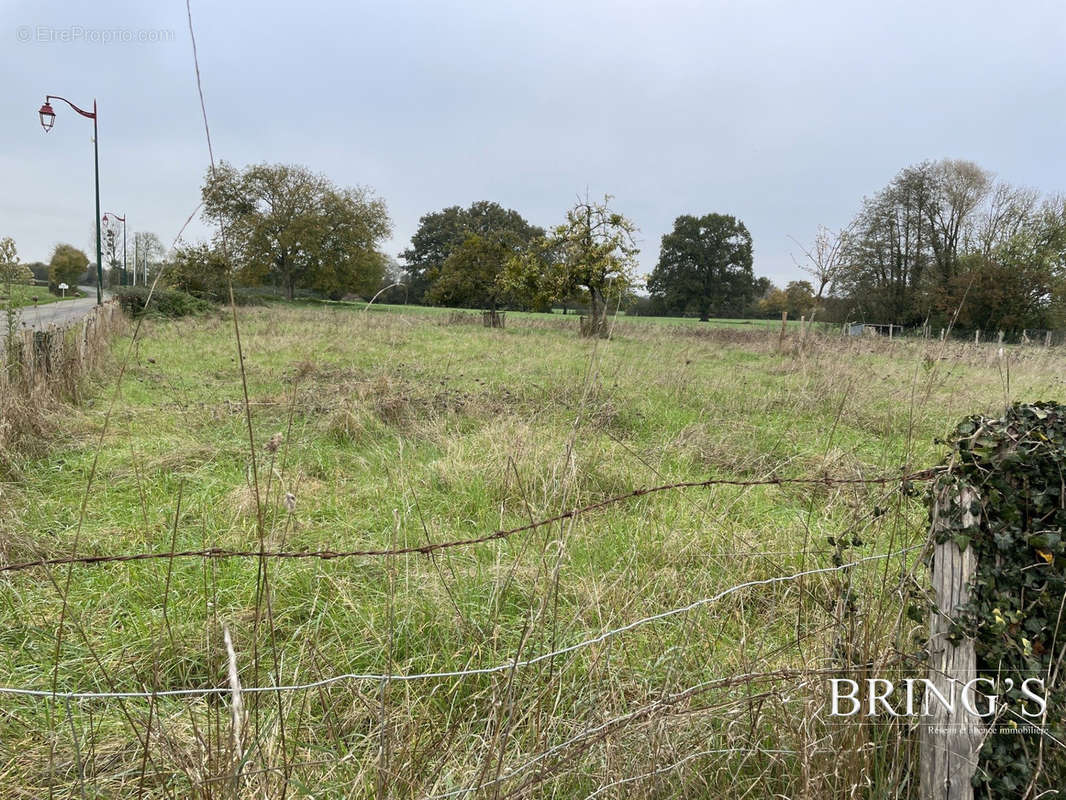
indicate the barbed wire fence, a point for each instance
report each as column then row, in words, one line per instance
column 433, row 547
column 387, row 677
column 161, row 763
column 536, row 766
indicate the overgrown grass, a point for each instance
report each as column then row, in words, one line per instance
column 398, row 429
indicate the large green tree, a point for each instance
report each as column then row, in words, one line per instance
column 1018, row 281
column 67, row 265
column 440, row 233
column 473, row 275
column 945, row 241
column 705, row 264
column 907, row 243
column 286, row 224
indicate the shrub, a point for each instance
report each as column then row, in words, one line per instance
column 244, row 296
column 165, row 302
column 200, row 271
column 1014, row 612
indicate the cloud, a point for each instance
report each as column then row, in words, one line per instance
column 781, row 114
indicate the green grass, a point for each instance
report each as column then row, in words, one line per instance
column 555, row 314
column 23, row 296
column 397, row 429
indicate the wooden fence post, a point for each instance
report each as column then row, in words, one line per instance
column 781, row 340
column 29, row 355
column 493, row 319
column 1047, row 339
column 950, row 740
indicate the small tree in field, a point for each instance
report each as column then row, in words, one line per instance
column 441, row 233
column 824, row 260
column 11, row 273
column 112, row 246
column 592, row 254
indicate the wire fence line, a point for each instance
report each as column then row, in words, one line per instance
column 433, row 547
column 497, row 668
column 534, row 764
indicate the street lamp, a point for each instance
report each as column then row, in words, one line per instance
column 125, row 280
column 48, row 118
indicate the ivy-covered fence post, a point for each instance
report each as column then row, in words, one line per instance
column 950, row 741
column 998, row 517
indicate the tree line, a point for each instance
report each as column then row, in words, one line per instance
column 71, row 266
column 283, row 226
column 487, row 256
column 944, row 242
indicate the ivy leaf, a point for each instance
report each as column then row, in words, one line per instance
column 1044, row 540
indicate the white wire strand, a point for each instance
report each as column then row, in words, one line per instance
column 510, row 665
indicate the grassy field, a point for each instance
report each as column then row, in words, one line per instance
column 557, row 314
column 402, row 427
column 24, row 296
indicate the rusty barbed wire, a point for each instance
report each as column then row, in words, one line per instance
column 507, row 666
column 433, row 547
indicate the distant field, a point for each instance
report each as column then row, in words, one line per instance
column 774, row 324
column 395, row 428
column 23, row 295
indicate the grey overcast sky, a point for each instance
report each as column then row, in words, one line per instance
column 784, row 114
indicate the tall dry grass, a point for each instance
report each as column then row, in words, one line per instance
column 388, row 430
column 41, row 371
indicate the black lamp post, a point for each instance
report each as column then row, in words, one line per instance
column 48, row 118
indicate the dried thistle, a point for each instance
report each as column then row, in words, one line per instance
column 274, row 443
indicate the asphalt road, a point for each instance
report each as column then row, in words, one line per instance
column 62, row 312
